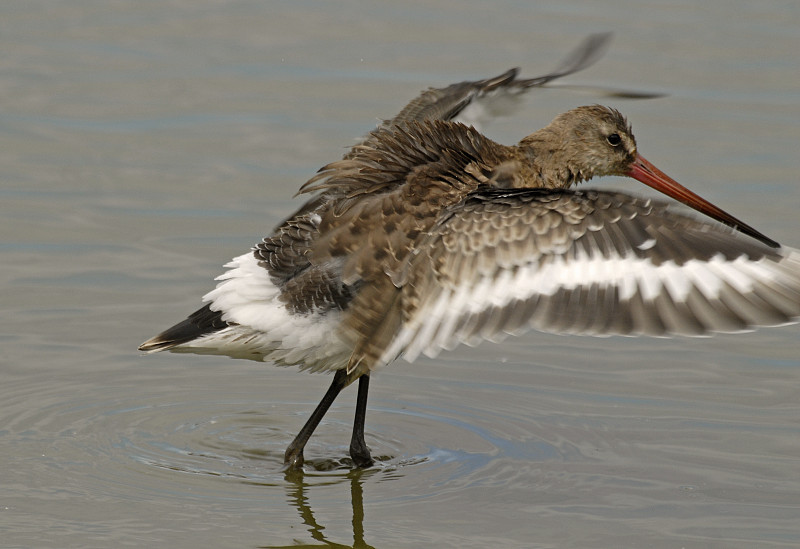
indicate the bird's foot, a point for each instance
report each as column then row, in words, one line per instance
column 293, row 459
column 361, row 456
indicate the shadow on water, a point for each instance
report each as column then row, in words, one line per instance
column 296, row 491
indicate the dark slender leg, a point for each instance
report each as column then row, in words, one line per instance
column 293, row 459
column 358, row 448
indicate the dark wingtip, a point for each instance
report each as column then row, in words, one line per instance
column 608, row 92
column 590, row 50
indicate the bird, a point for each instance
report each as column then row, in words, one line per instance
column 427, row 234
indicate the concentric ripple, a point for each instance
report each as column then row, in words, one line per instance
column 161, row 439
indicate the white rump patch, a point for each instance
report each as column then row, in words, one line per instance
column 264, row 328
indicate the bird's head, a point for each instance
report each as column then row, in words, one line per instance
column 595, row 141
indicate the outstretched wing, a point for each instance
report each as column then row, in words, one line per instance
column 496, row 94
column 596, row 263
column 476, row 102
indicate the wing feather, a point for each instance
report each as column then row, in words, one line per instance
column 472, row 102
column 595, row 263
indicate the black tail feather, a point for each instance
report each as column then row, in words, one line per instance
column 201, row 322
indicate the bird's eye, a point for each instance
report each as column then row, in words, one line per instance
column 614, row 139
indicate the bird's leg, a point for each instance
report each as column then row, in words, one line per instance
column 358, row 448
column 293, row 459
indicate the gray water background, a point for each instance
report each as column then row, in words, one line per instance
column 143, row 144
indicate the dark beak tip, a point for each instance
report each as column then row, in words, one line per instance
column 645, row 172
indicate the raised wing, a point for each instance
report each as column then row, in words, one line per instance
column 595, row 263
column 498, row 93
column 475, row 102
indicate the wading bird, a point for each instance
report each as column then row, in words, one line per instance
column 428, row 234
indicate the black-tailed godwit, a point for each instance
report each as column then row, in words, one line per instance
column 428, row 234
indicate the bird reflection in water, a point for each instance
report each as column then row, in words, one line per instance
column 296, row 492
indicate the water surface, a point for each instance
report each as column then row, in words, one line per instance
column 143, row 144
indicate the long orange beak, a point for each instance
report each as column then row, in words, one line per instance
column 644, row 171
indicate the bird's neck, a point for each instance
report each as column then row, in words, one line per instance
column 550, row 163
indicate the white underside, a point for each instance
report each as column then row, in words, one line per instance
column 263, row 328
column 483, row 110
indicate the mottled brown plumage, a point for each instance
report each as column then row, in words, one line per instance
column 427, row 234
column 418, row 203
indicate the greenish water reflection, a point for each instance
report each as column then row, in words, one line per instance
column 296, row 489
